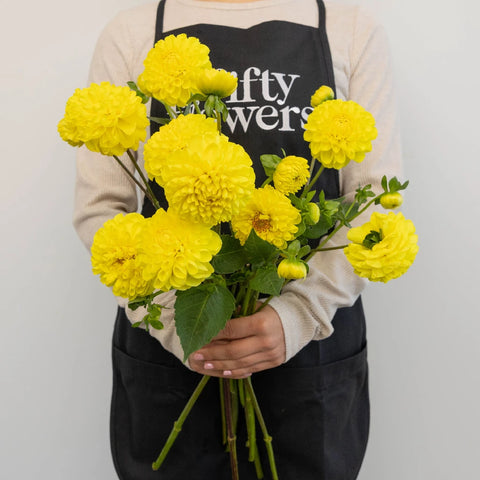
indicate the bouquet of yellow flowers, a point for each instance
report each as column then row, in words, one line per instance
column 222, row 244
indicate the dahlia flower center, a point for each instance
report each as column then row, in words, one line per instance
column 261, row 222
column 343, row 126
column 209, row 189
column 121, row 260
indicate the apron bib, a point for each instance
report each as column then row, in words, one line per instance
column 316, row 405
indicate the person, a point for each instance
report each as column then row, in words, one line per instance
column 307, row 348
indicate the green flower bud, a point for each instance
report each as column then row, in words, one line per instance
column 313, row 214
column 391, row 200
column 292, row 269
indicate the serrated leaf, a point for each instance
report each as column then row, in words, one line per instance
column 267, row 281
column 258, row 251
column 200, row 313
column 231, row 256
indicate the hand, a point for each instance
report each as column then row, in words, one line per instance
column 246, row 345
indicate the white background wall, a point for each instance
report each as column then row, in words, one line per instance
column 56, row 318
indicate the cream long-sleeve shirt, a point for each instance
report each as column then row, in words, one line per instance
column 362, row 72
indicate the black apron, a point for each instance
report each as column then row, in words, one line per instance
column 316, row 405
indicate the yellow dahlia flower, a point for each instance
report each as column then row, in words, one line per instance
column 383, row 248
column 339, row 131
column 292, row 269
column 115, row 253
column 211, row 81
column 106, row 118
column 171, row 68
column 323, row 94
column 176, row 135
column 271, row 215
column 291, row 174
column 176, row 253
column 210, row 181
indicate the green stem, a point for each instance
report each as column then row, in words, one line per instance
column 150, row 195
column 266, row 182
column 177, row 426
column 246, row 302
column 197, row 107
column 337, row 228
column 222, row 409
column 231, row 437
column 250, row 421
column 266, row 437
column 219, row 121
column 313, row 181
column 131, row 175
column 340, row 247
column 170, row 111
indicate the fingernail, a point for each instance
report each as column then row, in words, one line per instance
column 227, row 373
column 198, row 356
column 208, row 366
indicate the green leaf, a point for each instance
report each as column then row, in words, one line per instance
column 133, row 86
column 159, row 120
column 156, row 324
column 210, row 106
column 270, row 163
column 319, row 229
column 384, row 183
column 231, row 257
column 267, row 281
column 258, row 251
column 363, row 194
column 200, row 313
column 137, row 324
column 304, row 251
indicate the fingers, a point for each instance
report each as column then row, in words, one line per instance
column 246, row 345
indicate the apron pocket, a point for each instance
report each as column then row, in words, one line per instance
column 147, row 398
column 318, row 418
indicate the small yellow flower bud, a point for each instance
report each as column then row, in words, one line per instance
column 391, row 200
column 323, row 94
column 211, row 81
column 292, row 269
column 313, row 214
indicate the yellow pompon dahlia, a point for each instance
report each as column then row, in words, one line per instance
column 209, row 181
column 171, row 68
column 339, row 131
column 271, row 215
column 323, row 94
column 383, row 248
column 291, row 174
column 106, row 118
column 176, row 253
column 212, row 81
column 115, row 256
column 173, row 136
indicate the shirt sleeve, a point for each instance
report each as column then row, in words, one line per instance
column 307, row 307
column 102, row 188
